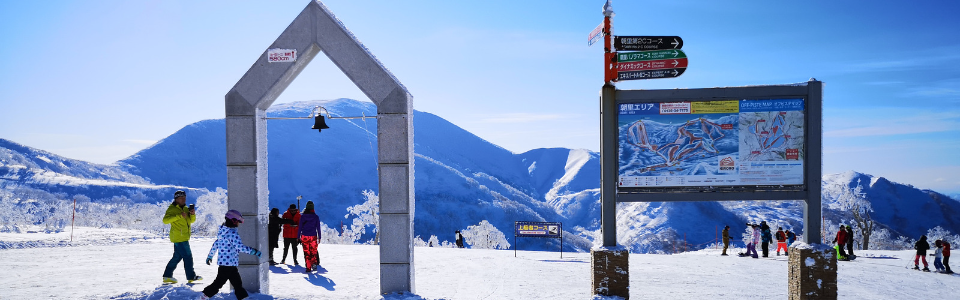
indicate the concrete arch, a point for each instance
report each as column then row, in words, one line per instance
column 316, row 30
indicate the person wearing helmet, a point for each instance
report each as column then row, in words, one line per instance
column 179, row 217
column 227, row 247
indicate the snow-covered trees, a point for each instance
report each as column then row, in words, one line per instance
column 365, row 214
column 485, row 236
column 855, row 202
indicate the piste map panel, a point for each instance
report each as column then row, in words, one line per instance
column 711, row 143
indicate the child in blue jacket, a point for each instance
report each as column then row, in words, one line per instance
column 228, row 247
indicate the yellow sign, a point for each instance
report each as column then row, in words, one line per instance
column 715, row 107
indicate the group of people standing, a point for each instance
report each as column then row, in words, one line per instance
column 941, row 255
column 297, row 229
column 760, row 234
column 844, row 238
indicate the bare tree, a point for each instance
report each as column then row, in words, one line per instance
column 855, row 202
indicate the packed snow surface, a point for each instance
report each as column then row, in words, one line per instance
column 98, row 268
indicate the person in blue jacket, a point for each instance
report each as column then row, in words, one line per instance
column 227, row 247
column 767, row 238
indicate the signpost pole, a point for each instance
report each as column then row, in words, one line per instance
column 608, row 164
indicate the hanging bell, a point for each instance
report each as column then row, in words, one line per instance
column 319, row 124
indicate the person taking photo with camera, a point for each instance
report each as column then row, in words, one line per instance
column 180, row 217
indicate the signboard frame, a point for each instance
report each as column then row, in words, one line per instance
column 812, row 94
column 517, row 232
column 808, row 92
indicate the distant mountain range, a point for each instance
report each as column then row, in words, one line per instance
column 460, row 179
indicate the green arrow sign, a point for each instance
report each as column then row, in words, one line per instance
column 649, row 55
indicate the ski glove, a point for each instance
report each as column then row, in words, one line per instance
column 209, row 260
column 256, row 252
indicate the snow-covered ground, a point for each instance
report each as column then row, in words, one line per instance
column 124, row 264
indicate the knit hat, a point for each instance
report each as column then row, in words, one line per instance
column 293, row 206
column 179, row 193
column 233, row 214
column 309, row 205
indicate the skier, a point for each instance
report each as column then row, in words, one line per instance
column 791, row 237
column 850, row 243
column 274, row 228
column 938, row 256
column 946, row 256
column 752, row 239
column 767, row 238
column 781, row 241
column 725, row 235
column 459, row 239
column 310, row 236
column 180, row 219
column 921, row 247
column 841, row 239
column 227, row 247
column 290, row 232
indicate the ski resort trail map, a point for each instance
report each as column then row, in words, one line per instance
column 708, row 143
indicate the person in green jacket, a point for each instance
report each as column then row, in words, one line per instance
column 179, row 217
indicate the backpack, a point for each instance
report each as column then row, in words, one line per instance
column 780, row 235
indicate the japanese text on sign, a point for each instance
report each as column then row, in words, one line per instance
column 281, row 55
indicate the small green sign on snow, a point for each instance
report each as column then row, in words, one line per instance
column 649, row 55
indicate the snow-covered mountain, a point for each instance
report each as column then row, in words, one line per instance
column 32, row 170
column 461, row 179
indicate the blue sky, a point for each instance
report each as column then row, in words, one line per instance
column 100, row 80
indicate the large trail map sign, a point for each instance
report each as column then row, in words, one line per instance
column 711, row 143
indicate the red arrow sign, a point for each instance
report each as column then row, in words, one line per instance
column 652, row 65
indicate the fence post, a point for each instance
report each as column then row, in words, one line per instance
column 74, row 218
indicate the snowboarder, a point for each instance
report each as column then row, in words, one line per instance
column 227, row 247
column 274, row 227
column 946, row 256
column 781, row 241
column 290, row 232
column 841, row 239
column 459, row 239
column 938, row 256
column 180, row 219
column 767, row 238
column 725, row 235
column 310, row 236
column 850, row 243
column 921, row 246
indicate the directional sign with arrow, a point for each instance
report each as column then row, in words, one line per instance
column 652, row 65
column 647, row 42
column 650, row 74
column 649, row 55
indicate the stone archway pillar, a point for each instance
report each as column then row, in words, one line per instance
column 316, row 31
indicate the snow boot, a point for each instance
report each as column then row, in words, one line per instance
column 916, row 267
column 169, row 280
column 195, row 279
column 925, row 269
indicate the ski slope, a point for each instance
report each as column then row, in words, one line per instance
column 93, row 267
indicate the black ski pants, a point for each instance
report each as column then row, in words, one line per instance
column 287, row 242
column 766, row 248
column 225, row 273
column 850, row 248
column 946, row 263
